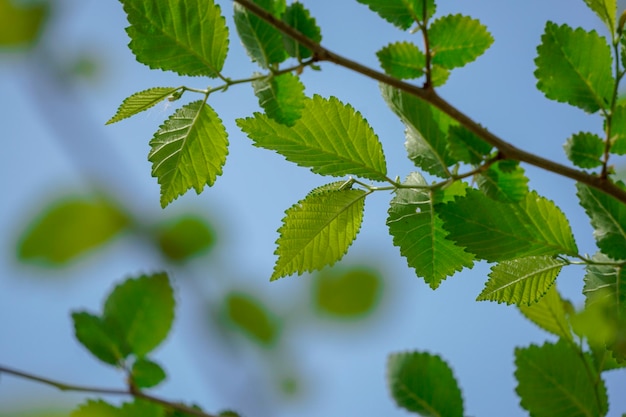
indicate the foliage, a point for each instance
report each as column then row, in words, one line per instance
column 467, row 201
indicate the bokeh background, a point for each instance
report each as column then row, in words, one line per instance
column 58, row 92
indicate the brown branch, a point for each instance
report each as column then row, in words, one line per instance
column 429, row 95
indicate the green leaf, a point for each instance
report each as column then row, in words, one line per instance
column 189, row 37
column 185, row 237
column 20, row 24
column 263, row 43
column 554, row 381
column 465, row 146
column 456, row 40
column 331, row 138
column 606, row 11
column 608, row 218
column 251, row 316
column 618, row 130
column 439, row 75
column 101, row 340
column 506, row 186
column 423, row 383
column 497, row 231
column 318, row 230
column 147, row 374
column 299, row 18
column 141, row 101
column 418, row 231
column 347, row 293
column 402, row 13
column 549, row 313
column 426, row 133
column 189, row 150
column 97, row 408
column 70, row 227
column 142, row 311
column 402, row 60
column 281, row 97
column 521, row 281
column 585, row 150
column 574, row 66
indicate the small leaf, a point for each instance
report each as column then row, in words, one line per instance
column 465, row 146
column 554, row 381
column 521, row 281
column 549, row 313
column 70, row 227
column 574, row 66
column 185, row 237
column 606, row 11
column 618, row 130
column 20, row 23
column 318, row 230
column 299, row 18
column 401, row 13
column 101, row 340
column 347, row 293
column 189, row 37
column 505, row 186
column 402, row 60
column 143, row 408
column 97, row 408
column 250, row 316
column 147, row 374
column 456, row 40
column 608, row 218
column 141, row 101
column 585, row 150
column 418, row 231
column 263, row 43
column 281, row 97
column 423, row 383
column 142, row 310
column 189, row 150
column 497, row 231
column 331, row 138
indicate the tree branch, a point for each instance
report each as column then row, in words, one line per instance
column 429, row 95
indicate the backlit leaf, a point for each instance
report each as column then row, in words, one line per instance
column 189, row 150
column 251, row 317
column 146, row 373
column 424, row 384
column 608, row 218
column 97, row 408
column 521, row 281
column 141, row 101
column 618, row 130
column 101, row 340
column 318, row 230
column 263, row 42
column 465, row 146
column 456, row 40
column 331, row 138
column 574, row 66
column 418, row 231
column 507, row 186
column 402, row 13
column 497, row 231
column 554, row 381
column 184, row 237
column 281, row 97
column 584, row 150
column 20, row 23
column 549, row 313
column 347, row 293
column 189, row 37
column 402, row 60
column 299, row 18
column 143, row 408
column 606, row 11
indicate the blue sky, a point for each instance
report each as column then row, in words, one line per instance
column 54, row 137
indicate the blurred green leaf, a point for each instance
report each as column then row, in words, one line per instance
column 185, row 237
column 249, row 315
column 146, row 373
column 550, row 313
column 100, row 339
column 606, row 11
column 347, row 293
column 299, row 18
column 21, row 24
column 97, row 408
column 70, row 227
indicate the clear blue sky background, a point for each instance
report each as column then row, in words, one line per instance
column 54, row 138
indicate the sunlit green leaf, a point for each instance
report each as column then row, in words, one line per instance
column 521, row 281
column 549, row 313
column 185, row 237
column 424, row 384
column 439, row 75
column 146, row 373
column 574, row 66
column 141, row 101
column 189, row 37
column 299, row 18
column 189, row 150
column 585, row 150
column 606, row 11
column 281, row 97
column 331, row 138
column 456, row 40
column 252, row 317
column 608, row 218
column 143, row 408
column 465, row 146
column 402, row 13
column 101, row 340
column 263, row 42
column 507, row 186
column 402, row 60
column 418, row 231
column 97, row 408
column 497, row 231
column 347, row 293
column 618, row 130
column 554, row 381
column 70, row 227
column 20, row 24
column 142, row 311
